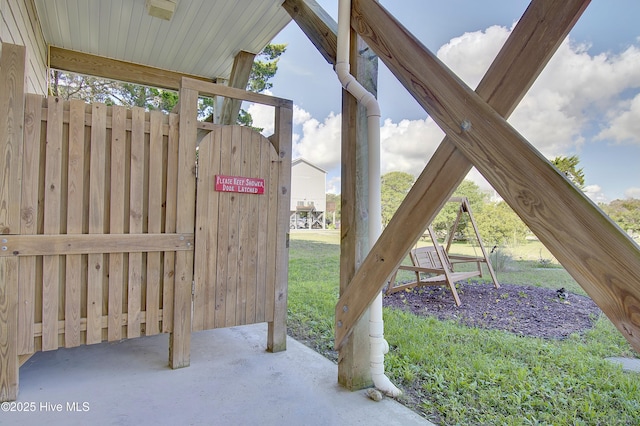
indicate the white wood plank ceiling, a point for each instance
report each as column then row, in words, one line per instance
column 202, row 37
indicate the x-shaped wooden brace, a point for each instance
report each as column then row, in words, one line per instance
column 599, row 256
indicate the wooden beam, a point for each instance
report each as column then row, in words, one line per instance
column 12, row 103
column 353, row 358
column 277, row 329
column 242, row 64
column 321, row 29
column 354, row 371
column 84, row 63
column 212, row 89
column 63, row 244
column 533, row 41
column 180, row 338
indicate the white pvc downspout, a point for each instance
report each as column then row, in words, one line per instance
column 379, row 346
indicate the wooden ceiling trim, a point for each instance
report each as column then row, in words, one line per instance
column 98, row 66
column 602, row 260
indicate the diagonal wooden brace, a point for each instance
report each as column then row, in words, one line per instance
column 604, row 261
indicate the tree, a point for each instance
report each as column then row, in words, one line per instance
column 265, row 67
column 75, row 86
column 394, row 186
column 444, row 220
column 499, row 225
column 333, row 205
column 569, row 167
column 626, row 213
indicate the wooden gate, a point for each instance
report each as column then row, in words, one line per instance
column 236, row 219
column 241, row 216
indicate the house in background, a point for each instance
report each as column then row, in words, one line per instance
column 308, row 196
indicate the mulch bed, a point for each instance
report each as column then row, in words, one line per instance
column 523, row 310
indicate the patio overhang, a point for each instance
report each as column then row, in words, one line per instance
column 201, row 39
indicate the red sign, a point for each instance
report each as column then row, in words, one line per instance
column 241, row 184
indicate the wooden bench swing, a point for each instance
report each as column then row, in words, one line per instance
column 433, row 265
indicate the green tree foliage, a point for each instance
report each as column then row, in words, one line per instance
column 626, row 213
column 569, row 166
column 335, row 200
column 265, row 67
column 443, row 222
column 394, row 187
column 499, row 225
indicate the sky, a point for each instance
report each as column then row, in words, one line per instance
column 586, row 102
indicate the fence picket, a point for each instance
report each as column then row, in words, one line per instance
column 201, row 264
column 136, row 208
column 154, row 265
column 29, row 226
column 117, row 219
column 213, row 299
column 52, row 201
column 170, row 222
column 233, row 219
column 75, row 217
column 223, row 232
column 244, row 238
column 97, row 195
column 261, row 236
column 253, row 219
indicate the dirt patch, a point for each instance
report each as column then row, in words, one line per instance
column 523, row 310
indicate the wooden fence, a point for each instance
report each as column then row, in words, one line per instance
column 97, row 223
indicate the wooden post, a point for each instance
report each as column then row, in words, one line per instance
column 180, row 338
column 239, row 78
column 277, row 329
column 12, row 98
column 354, row 358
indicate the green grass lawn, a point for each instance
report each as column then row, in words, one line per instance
column 459, row 375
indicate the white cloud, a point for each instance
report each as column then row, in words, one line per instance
column 300, row 115
column 575, row 94
column 263, row 117
column 574, row 90
column 320, row 142
column 595, row 193
column 633, row 192
column 471, row 54
column 408, row 145
column 405, row 146
column 625, row 124
column 334, row 185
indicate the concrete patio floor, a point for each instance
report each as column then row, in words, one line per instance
column 232, row 380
